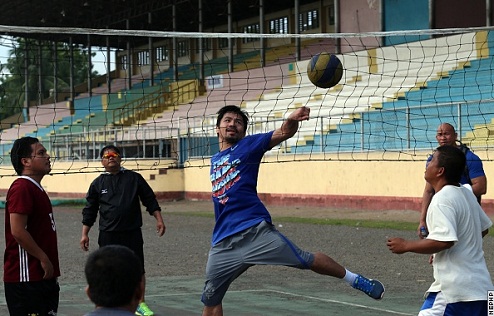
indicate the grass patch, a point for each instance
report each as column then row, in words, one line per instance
column 409, row 226
column 323, row 221
column 69, row 202
column 349, row 222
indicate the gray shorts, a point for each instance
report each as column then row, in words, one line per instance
column 262, row 244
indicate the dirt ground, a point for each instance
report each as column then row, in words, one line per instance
column 183, row 250
column 188, row 237
column 302, row 211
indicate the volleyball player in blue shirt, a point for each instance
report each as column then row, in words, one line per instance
column 244, row 235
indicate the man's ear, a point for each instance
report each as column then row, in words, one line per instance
column 25, row 161
column 440, row 172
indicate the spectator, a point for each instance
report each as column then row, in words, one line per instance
column 117, row 195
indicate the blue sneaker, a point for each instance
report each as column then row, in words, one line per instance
column 373, row 288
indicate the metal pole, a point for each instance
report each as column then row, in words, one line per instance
column 322, row 135
column 26, row 82
column 151, row 52
column 129, row 62
column 230, row 40
column 71, row 79
column 108, row 61
column 408, row 126
column 174, row 42
column 40, row 73
column 201, row 44
column 459, row 129
column 55, row 72
column 90, row 66
column 362, row 138
column 297, row 30
column 262, row 31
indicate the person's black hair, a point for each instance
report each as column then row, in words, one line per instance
column 109, row 147
column 233, row 109
column 453, row 160
column 21, row 149
column 113, row 273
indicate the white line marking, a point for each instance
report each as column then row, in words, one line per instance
column 298, row 295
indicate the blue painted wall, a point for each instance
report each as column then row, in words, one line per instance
column 405, row 15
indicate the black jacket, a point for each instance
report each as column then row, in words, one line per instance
column 118, row 199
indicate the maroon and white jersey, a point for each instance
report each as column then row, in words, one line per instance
column 26, row 196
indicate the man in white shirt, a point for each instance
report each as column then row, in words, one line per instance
column 456, row 224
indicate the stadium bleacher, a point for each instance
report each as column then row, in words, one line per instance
column 403, row 121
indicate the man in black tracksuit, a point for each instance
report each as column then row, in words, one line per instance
column 117, row 195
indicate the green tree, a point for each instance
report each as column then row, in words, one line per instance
column 13, row 83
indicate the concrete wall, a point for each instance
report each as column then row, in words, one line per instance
column 355, row 181
column 359, row 16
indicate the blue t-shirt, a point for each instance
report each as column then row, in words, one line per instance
column 233, row 175
column 474, row 165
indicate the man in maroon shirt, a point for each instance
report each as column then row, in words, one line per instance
column 31, row 266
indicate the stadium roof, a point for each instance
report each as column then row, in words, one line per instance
column 115, row 14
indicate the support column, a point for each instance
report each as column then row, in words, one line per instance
column 90, row 64
column 129, row 60
column 174, row 42
column 108, row 61
column 152, row 57
column 230, row 40
column 25, row 111
column 55, row 72
column 201, row 46
column 40, row 73
column 262, row 31
column 71, row 79
column 297, row 30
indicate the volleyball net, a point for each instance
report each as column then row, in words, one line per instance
column 397, row 87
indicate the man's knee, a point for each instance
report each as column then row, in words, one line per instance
column 213, row 296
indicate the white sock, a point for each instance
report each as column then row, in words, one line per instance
column 349, row 277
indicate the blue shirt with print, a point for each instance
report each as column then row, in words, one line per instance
column 234, row 173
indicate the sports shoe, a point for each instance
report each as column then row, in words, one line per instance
column 373, row 288
column 143, row 310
